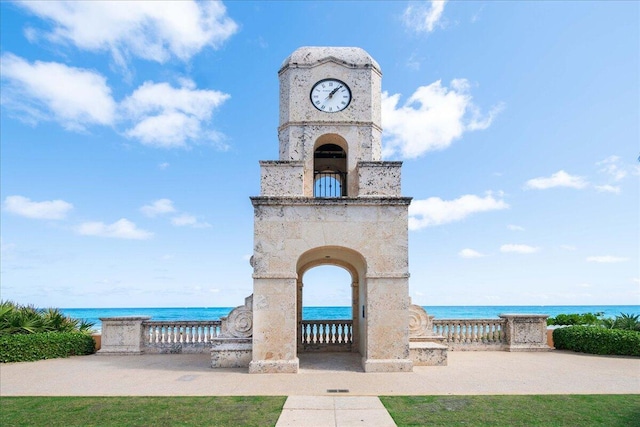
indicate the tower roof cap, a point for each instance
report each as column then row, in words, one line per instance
column 309, row 56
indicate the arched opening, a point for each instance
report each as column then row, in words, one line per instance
column 331, row 277
column 330, row 167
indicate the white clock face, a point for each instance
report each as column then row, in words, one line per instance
column 330, row 95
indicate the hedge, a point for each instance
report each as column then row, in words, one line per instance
column 597, row 340
column 46, row 345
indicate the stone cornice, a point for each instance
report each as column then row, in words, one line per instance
column 326, row 123
column 341, row 201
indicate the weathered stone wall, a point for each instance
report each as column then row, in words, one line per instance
column 280, row 178
column 286, row 228
column 379, row 179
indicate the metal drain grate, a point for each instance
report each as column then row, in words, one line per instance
column 337, row 390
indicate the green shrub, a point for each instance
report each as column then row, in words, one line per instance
column 46, row 345
column 21, row 319
column 575, row 319
column 597, row 340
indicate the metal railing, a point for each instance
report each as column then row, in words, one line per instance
column 329, row 184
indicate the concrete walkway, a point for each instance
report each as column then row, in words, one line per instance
column 330, row 387
column 328, row 411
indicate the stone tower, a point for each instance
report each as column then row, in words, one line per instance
column 329, row 199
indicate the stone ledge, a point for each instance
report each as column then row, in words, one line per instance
column 424, row 353
column 338, row 201
column 274, row 366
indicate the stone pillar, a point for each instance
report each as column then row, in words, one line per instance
column 274, row 326
column 526, row 332
column 386, row 315
column 122, row 335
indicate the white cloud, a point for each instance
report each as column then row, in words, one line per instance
column 513, row 227
column 121, row 229
column 470, row 253
column 423, row 17
column 159, row 207
column 435, row 211
column 608, row 189
column 152, row 30
column 23, row 206
column 611, row 166
column 163, row 166
column 558, row 179
column 606, row 259
column 518, row 249
column 37, row 91
column 187, row 220
column 431, row 119
column 168, row 117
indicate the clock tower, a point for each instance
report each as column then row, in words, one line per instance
column 330, row 199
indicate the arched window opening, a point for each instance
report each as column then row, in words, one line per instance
column 329, row 171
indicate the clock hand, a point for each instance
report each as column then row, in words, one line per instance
column 333, row 92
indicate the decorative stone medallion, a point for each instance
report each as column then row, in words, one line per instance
column 239, row 322
column 420, row 323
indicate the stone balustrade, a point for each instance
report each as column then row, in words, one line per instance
column 179, row 336
column 232, row 335
column 137, row 335
column 511, row 332
column 471, row 334
column 326, row 335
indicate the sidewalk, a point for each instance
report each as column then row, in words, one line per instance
column 488, row 372
column 327, row 411
column 331, row 389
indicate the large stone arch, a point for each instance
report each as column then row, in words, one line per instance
column 353, row 262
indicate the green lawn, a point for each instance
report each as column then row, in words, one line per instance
column 546, row 410
column 140, row 411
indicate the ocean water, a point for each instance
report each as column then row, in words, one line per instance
column 328, row 313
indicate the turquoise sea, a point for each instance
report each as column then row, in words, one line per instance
column 327, row 313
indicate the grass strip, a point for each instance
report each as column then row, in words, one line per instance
column 520, row 410
column 141, row 411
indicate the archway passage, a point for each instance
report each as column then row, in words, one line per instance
column 327, row 315
column 335, row 334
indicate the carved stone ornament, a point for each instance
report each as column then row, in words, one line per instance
column 239, row 322
column 420, row 323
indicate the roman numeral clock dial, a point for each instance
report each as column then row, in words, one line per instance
column 330, row 95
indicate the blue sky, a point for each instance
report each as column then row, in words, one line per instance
column 131, row 135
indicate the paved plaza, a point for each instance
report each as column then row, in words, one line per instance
column 330, row 388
